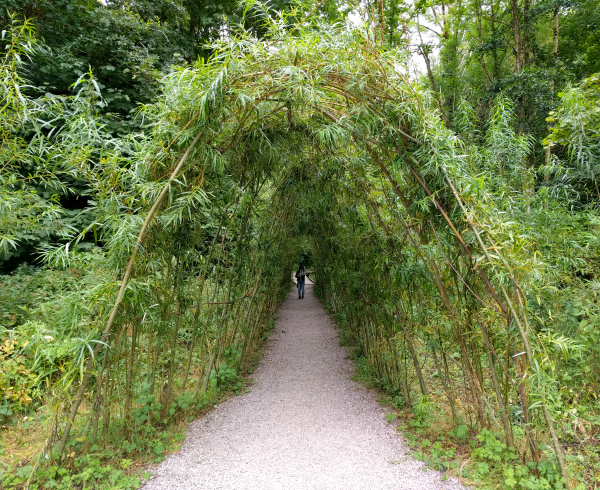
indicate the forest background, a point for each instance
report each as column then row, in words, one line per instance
column 90, row 89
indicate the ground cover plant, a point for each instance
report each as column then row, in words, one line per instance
column 464, row 276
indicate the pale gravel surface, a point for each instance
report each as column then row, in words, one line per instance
column 304, row 424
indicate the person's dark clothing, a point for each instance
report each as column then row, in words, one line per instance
column 301, row 275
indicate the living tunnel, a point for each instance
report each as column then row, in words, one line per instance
column 314, row 134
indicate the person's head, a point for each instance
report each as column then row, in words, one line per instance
column 301, row 268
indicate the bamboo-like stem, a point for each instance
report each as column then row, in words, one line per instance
column 499, row 398
column 113, row 314
column 445, row 385
column 415, row 360
column 129, row 372
column 522, row 332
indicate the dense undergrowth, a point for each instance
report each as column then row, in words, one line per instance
column 465, row 277
column 117, row 462
column 477, row 457
column 113, row 454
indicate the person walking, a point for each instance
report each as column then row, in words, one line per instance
column 301, row 275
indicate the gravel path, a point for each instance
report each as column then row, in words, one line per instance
column 304, row 424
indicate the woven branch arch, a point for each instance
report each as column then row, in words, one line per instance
column 333, row 87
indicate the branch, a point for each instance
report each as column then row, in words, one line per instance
column 124, row 282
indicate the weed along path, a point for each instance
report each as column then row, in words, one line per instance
column 304, row 424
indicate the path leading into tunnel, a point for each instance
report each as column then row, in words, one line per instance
column 304, row 424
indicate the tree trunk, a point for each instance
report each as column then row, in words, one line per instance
column 526, row 31
column 517, row 35
column 482, row 57
column 431, row 77
column 552, row 81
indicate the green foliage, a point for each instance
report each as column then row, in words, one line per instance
column 88, row 471
column 436, row 455
column 125, row 50
column 575, row 127
column 492, row 449
column 466, row 290
column 204, row 276
column 24, row 290
column 460, row 432
column 55, row 151
column 16, row 381
column 40, row 346
column 385, row 290
column 225, row 376
column 526, row 51
column 494, row 456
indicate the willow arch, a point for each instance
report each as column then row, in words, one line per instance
column 245, row 119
